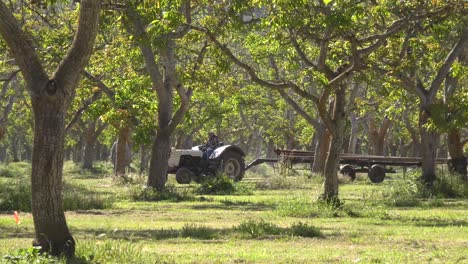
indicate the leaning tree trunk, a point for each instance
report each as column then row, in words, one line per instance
column 330, row 192
column 52, row 233
column 159, row 156
column 428, row 149
column 457, row 162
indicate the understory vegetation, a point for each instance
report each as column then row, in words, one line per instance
column 263, row 219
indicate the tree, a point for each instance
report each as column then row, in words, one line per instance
column 321, row 45
column 51, row 96
column 428, row 49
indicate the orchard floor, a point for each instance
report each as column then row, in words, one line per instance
column 205, row 229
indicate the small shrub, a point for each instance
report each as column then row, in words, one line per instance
column 16, row 196
column 110, row 251
column 403, row 194
column 305, row 230
column 170, row 193
column 15, row 170
column 199, row 232
column 31, row 255
column 275, row 183
column 222, row 185
column 255, row 229
column 79, row 197
column 445, row 186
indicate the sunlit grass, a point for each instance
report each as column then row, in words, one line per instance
column 250, row 228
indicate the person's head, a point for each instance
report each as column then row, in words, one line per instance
column 211, row 133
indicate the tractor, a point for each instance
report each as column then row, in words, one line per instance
column 189, row 165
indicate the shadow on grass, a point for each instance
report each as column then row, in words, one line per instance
column 425, row 222
column 239, row 205
column 246, row 230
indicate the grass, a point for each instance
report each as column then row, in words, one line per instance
column 278, row 221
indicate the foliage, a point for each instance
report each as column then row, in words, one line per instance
column 31, row 255
column 256, row 229
column 108, row 251
column 16, row 195
column 79, row 197
column 305, row 230
column 411, row 191
column 15, row 170
column 222, row 185
column 149, row 194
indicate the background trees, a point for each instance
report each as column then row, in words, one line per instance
column 373, row 77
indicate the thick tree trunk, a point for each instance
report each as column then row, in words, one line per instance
column 89, row 149
column 52, row 233
column 321, row 149
column 428, row 150
column 457, row 162
column 159, row 156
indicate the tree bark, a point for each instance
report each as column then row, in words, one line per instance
column 52, row 233
column 122, row 158
column 428, row 149
column 50, row 97
column 321, row 149
column 353, row 138
column 457, row 161
column 330, row 192
column 89, row 149
column 159, row 156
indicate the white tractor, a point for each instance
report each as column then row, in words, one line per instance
column 189, row 164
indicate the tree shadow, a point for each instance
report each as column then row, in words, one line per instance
column 235, row 205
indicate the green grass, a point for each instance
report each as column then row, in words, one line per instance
column 278, row 221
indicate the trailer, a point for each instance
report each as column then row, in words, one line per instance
column 376, row 166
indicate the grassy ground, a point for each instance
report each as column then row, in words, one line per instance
column 277, row 221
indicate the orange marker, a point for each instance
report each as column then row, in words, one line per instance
column 16, row 215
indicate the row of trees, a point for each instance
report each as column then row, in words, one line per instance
column 376, row 77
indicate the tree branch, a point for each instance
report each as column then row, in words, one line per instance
column 445, row 68
column 21, row 47
column 69, row 70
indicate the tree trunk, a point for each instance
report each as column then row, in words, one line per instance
column 323, row 143
column 330, row 192
column 122, row 158
column 89, row 149
column 353, row 138
column 52, row 233
column 159, row 156
column 14, row 149
column 78, row 150
column 457, row 161
column 428, row 149
column 143, row 159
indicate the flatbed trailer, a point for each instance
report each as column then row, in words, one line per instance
column 375, row 166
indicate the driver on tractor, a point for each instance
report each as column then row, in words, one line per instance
column 211, row 145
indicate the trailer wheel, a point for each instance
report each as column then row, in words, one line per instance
column 348, row 170
column 184, row 175
column 377, row 173
column 233, row 165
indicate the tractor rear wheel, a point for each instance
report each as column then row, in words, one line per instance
column 184, row 175
column 233, row 165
